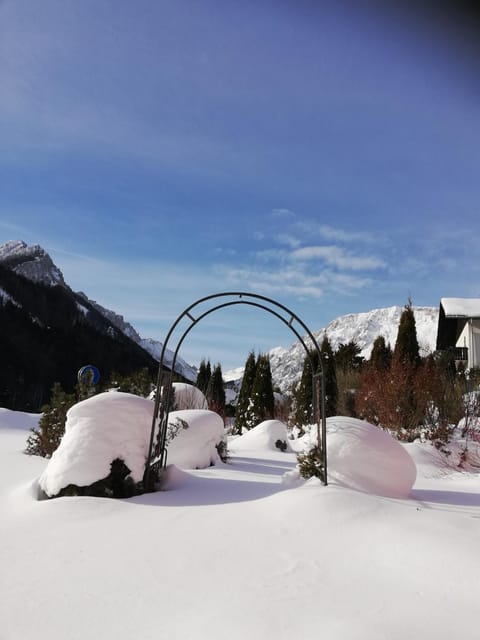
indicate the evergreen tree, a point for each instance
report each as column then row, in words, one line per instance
column 381, row 356
column 330, row 374
column 245, row 393
column 203, row 376
column 262, row 403
column 347, row 356
column 303, row 413
column 406, row 347
column 51, row 427
column 140, row 383
column 215, row 392
column 348, row 367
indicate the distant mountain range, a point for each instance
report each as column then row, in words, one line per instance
column 40, row 293
column 362, row 328
column 48, row 331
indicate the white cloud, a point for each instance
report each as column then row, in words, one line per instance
column 312, row 229
column 288, row 240
column 337, row 257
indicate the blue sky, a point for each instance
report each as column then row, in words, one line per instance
column 326, row 154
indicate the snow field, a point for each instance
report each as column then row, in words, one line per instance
column 231, row 551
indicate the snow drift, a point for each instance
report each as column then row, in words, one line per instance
column 263, row 436
column 364, row 457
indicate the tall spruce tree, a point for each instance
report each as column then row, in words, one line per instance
column 216, row 392
column 406, row 349
column 303, row 413
column 203, row 376
column 381, row 356
column 347, row 356
column 328, row 362
column 262, row 404
column 245, row 393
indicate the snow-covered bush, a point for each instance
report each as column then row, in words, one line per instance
column 363, row 457
column 100, row 431
column 195, row 447
column 265, row 435
column 188, row 396
column 105, row 446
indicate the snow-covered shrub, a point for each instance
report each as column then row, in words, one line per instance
column 310, row 464
column 188, row 396
column 195, row 447
column 364, row 457
column 104, row 446
column 264, row 436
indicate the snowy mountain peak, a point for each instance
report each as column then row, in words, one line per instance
column 32, row 262
column 363, row 328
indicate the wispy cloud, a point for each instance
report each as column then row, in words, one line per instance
column 337, row 257
column 314, row 229
column 288, row 240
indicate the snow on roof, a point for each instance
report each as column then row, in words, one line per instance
column 461, row 307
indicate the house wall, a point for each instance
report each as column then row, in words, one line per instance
column 470, row 338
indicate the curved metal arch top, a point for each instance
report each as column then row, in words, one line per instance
column 157, row 451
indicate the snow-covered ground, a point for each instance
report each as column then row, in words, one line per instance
column 233, row 551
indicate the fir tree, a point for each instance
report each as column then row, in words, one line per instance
column 381, row 356
column 140, row 383
column 215, row 392
column 245, row 394
column 262, row 403
column 303, row 414
column 44, row 440
column 328, row 362
column 406, row 347
column 347, row 356
column 203, row 376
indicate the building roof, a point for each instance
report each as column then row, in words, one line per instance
column 461, row 307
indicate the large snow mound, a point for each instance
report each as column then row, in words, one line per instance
column 263, row 436
column 98, row 430
column 195, row 447
column 364, row 457
column 187, row 396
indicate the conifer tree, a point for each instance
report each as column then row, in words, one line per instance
column 328, row 362
column 381, row 356
column 406, row 347
column 51, row 427
column 245, row 393
column 303, row 414
column 215, row 392
column 347, row 356
column 140, row 383
column 203, row 376
column 262, row 404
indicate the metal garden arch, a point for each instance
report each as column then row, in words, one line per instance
column 157, row 450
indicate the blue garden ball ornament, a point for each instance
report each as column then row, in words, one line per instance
column 88, row 372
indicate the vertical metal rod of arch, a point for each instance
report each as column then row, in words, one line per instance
column 165, row 395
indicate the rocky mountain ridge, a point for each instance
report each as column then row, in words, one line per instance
column 34, row 263
column 363, row 328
